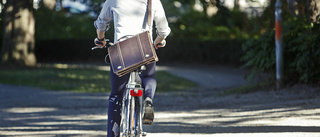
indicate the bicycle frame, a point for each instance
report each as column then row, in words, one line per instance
column 131, row 120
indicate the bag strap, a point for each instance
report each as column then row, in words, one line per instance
column 149, row 12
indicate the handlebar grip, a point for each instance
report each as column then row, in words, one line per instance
column 163, row 43
column 97, row 42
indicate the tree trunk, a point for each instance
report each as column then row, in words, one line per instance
column 18, row 38
column 305, row 8
column 236, row 5
column 51, row 4
column 313, row 10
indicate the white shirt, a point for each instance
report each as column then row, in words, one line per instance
column 130, row 18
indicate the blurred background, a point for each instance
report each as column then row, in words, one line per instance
column 237, row 33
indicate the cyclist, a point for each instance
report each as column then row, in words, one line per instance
column 129, row 17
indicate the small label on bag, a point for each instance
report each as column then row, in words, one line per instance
column 147, row 55
column 119, row 67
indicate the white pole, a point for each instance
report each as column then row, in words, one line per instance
column 279, row 45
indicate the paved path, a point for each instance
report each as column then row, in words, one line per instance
column 295, row 112
column 209, row 77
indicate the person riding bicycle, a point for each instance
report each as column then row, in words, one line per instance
column 129, row 17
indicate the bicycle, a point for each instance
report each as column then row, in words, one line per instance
column 131, row 120
column 132, row 103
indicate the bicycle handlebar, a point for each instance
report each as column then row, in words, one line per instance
column 163, row 43
column 108, row 44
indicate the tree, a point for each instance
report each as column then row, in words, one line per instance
column 18, row 39
column 51, row 4
column 236, row 5
column 305, row 8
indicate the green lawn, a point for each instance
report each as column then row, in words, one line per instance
column 81, row 79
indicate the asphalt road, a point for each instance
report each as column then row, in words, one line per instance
column 293, row 112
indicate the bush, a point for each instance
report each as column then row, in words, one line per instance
column 69, row 50
column 301, row 42
column 259, row 54
column 227, row 52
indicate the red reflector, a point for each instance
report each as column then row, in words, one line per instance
column 136, row 93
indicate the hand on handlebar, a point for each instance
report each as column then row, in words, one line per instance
column 159, row 42
column 101, row 44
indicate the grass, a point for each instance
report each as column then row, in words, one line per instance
column 263, row 85
column 80, row 79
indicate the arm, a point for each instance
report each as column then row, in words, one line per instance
column 102, row 23
column 100, row 34
column 163, row 29
column 100, row 38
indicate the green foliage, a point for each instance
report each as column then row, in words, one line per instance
column 223, row 51
column 57, row 25
column 259, row 54
column 226, row 52
column 225, row 24
column 58, row 79
column 303, row 55
column 301, row 42
column 249, row 88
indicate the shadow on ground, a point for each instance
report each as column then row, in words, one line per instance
column 26, row 111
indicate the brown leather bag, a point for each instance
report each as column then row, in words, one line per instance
column 130, row 54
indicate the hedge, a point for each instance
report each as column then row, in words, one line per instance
column 67, row 50
column 301, row 52
column 227, row 52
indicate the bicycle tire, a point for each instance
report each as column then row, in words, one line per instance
column 137, row 126
column 131, row 117
column 135, row 118
column 125, row 119
column 131, row 122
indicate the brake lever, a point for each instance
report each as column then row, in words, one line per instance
column 98, row 47
column 108, row 44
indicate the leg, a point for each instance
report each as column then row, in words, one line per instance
column 149, row 84
column 148, row 80
column 118, row 85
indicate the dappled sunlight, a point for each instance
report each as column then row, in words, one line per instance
column 86, row 97
column 47, row 121
column 71, row 76
column 28, row 110
column 52, row 131
column 235, row 135
column 230, row 117
column 280, row 122
column 74, row 66
column 81, row 76
column 44, row 113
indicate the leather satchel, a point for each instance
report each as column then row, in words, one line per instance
column 130, row 54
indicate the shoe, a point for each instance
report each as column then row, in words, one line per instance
column 148, row 112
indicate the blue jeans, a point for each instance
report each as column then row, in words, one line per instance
column 118, row 85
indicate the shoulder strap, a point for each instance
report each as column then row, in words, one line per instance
column 149, row 12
